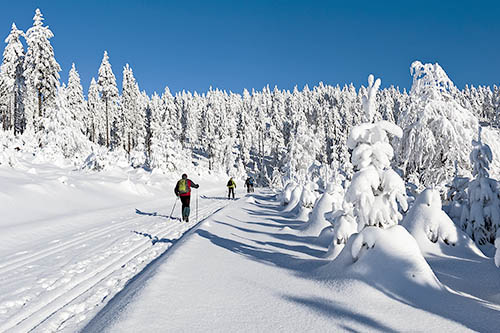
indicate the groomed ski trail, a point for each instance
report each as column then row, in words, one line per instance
column 81, row 272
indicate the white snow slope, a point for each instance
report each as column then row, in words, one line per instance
column 70, row 240
column 237, row 272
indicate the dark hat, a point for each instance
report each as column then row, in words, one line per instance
column 184, row 176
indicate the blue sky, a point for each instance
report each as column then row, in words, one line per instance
column 233, row 45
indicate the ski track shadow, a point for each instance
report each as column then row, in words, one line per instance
column 284, row 260
column 139, row 212
column 328, row 308
column 154, row 239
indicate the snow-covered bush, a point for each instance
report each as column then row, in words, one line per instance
column 286, row 194
column 481, row 216
column 428, row 223
column 437, row 131
column 385, row 257
column 316, row 222
column 294, row 201
column 308, row 197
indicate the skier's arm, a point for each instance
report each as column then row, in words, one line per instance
column 193, row 184
column 176, row 189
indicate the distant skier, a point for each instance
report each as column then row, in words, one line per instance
column 249, row 184
column 231, row 185
column 183, row 191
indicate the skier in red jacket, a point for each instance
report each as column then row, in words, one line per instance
column 183, row 191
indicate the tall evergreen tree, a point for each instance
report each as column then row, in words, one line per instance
column 109, row 95
column 12, row 82
column 75, row 100
column 130, row 108
column 94, row 112
column 41, row 69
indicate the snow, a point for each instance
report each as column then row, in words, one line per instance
column 428, row 223
column 98, row 251
column 235, row 272
column 71, row 239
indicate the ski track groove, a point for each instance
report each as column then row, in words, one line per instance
column 22, row 261
column 36, row 314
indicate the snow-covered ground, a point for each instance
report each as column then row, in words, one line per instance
column 243, row 270
column 96, row 252
column 71, row 239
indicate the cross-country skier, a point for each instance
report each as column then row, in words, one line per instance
column 183, row 191
column 231, row 185
column 249, row 184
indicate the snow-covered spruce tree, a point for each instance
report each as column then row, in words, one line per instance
column 95, row 113
column 376, row 192
column 41, row 69
column 481, row 216
column 12, row 82
column 456, row 196
column 60, row 134
column 130, row 109
column 76, row 102
column 189, row 108
column 437, row 131
column 208, row 138
column 109, row 94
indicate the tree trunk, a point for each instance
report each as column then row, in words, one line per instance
column 107, row 123
column 40, row 104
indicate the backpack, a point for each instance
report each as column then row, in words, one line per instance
column 183, row 186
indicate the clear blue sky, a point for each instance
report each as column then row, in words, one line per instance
column 232, row 45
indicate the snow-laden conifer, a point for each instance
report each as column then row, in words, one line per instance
column 61, row 134
column 437, row 130
column 130, row 109
column 481, row 216
column 12, row 82
column 109, row 94
column 376, row 192
column 41, row 69
column 95, row 114
column 76, row 101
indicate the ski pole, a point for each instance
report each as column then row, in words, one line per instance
column 196, row 205
column 175, row 202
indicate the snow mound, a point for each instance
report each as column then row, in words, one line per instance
column 317, row 221
column 307, row 197
column 134, row 188
column 294, row 201
column 428, row 223
column 387, row 257
column 286, row 195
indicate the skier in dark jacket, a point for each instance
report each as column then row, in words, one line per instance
column 231, row 185
column 183, row 191
column 249, row 184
